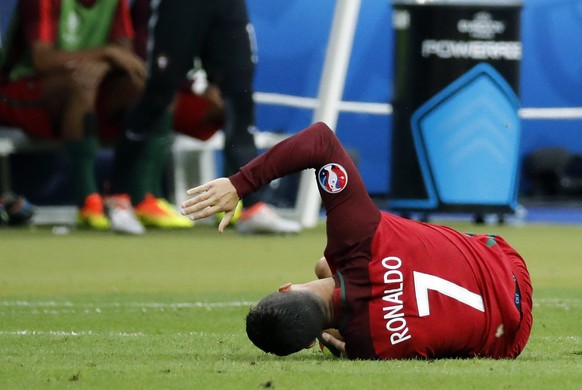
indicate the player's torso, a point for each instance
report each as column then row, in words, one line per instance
column 68, row 24
column 82, row 25
column 427, row 296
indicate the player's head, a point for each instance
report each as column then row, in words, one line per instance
column 284, row 323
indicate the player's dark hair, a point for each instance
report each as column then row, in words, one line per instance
column 284, row 323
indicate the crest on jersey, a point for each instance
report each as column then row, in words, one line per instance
column 333, row 178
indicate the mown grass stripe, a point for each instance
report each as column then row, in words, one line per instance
column 210, row 305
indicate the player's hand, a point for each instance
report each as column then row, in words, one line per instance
column 87, row 73
column 128, row 61
column 216, row 196
column 334, row 341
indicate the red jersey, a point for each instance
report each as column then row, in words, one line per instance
column 431, row 292
column 40, row 20
column 43, row 17
column 404, row 289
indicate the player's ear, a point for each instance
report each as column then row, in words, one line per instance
column 322, row 269
column 285, row 288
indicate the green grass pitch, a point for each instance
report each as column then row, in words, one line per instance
column 166, row 311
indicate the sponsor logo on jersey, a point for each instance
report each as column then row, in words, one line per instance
column 333, row 178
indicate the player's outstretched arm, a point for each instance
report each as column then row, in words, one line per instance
column 216, row 196
column 313, row 147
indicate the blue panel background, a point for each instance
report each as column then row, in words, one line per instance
column 551, row 73
column 292, row 38
column 552, row 64
column 471, row 159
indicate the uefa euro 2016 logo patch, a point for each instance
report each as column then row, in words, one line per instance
column 333, row 178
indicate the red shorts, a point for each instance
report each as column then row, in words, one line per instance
column 21, row 105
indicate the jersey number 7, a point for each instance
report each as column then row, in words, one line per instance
column 424, row 282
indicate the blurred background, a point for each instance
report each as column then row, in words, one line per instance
column 292, row 41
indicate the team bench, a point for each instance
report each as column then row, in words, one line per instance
column 194, row 162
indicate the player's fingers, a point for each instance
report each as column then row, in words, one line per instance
column 196, row 198
column 201, row 209
column 198, row 202
column 188, row 203
column 200, row 214
column 225, row 221
column 334, row 342
column 197, row 190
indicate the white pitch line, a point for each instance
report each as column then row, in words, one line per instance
column 49, row 308
column 27, row 332
column 146, row 305
column 47, row 305
column 81, row 333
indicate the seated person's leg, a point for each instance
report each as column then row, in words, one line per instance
column 70, row 99
column 142, row 150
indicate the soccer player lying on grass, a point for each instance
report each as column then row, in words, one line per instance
column 394, row 288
